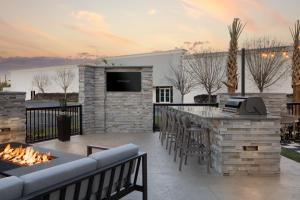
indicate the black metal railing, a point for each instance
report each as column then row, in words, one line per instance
column 157, row 106
column 41, row 123
column 293, row 108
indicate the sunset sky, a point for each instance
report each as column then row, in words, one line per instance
column 115, row 27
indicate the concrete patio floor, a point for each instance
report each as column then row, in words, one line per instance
column 165, row 182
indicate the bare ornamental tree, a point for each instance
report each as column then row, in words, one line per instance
column 267, row 61
column 207, row 69
column 41, row 81
column 64, row 79
column 181, row 79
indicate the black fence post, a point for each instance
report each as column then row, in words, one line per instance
column 153, row 125
column 80, row 118
column 243, row 73
column 26, row 135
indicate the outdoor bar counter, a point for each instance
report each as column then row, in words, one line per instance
column 241, row 144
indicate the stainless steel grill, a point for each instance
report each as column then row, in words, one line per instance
column 245, row 106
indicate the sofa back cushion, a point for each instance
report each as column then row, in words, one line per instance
column 46, row 178
column 109, row 157
column 114, row 155
column 11, row 188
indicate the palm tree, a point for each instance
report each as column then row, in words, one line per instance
column 235, row 30
column 295, row 32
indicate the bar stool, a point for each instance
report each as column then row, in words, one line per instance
column 164, row 125
column 171, row 137
column 161, row 121
column 179, row 136
column 196, row 142
column 170, row 129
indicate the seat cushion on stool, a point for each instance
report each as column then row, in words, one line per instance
column 11, row 188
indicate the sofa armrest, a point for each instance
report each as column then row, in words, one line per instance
column 89, row 149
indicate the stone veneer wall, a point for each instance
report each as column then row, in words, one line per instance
column 230, row 136
column 114, row 111
column 275, row 102
column 12, row 117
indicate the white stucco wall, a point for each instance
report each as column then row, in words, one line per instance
column 160, row 61
column 161, row 69
column 21, row 80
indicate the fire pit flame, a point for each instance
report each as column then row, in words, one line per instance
column 24, row 156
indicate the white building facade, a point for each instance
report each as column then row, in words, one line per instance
column 163, row 91
column 161, row 62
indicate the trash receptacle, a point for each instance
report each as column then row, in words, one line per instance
column 63, row 127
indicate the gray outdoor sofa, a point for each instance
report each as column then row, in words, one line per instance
column 109, row 174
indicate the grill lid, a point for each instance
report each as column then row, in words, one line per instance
column 245, row 106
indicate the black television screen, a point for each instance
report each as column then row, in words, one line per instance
column 123, row 81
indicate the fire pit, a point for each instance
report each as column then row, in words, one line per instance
column 18, row 159
column 24, row 156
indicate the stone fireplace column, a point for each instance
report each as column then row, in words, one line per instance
column 115, row 111
column 91, row 96
column 12, row 117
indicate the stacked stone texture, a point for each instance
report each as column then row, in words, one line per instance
column 229, row 137
column 128, row 112
column 12, row 117
column 86, row 97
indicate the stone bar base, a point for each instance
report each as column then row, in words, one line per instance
column 246, row 146
column 249, row 146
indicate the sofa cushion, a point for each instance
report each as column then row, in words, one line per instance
column 45, row 178
column 11, row 188
column 113, row 155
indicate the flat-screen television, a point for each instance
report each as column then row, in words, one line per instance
column 123, row 81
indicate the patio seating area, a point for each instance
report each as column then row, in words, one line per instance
column 165, row 182
column 158, row 100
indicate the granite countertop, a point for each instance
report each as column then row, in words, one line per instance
column 216, row 113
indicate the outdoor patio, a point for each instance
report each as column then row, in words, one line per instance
column 165, row 182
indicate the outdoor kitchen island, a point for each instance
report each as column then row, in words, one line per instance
column 240, row 144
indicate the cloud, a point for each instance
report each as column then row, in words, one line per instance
column 226, row 10
column 185, row 28
column 35, row 31
column 94, row 25
column 151, row 12
column 272, row 14
column 17, row 39
column 87, row 55
column 91, row 18
column 194, row 46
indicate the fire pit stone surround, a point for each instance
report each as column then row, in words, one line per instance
column 12, row 116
